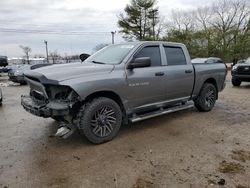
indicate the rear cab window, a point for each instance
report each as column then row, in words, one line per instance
column 175, row 55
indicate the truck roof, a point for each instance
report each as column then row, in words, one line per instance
column 150, row 42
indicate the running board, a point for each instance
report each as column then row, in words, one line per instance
column 161, row 112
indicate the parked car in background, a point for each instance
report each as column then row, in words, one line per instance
column 119, row 84
column 207, row 60
column 16, row 74
column 238, row 62
column 241, row 61
column 241, row 72
column 8, row 68
column 3, row 61
column 1, row 96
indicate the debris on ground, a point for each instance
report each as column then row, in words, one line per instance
column 76, row 157
column 144, row 182
column 231, row 167
column 240, row 155
column 242, row 186
column 211, row 182
column 222, row 181
column 115, row 180
column 216, row 180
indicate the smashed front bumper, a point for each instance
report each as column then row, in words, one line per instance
column 51, row 109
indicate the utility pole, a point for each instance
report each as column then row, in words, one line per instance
column 113, row 36
column 46, row 45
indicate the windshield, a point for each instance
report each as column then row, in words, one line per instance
column 113, row 54
column 247, row 61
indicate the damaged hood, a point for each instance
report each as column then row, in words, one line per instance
column 68, row 71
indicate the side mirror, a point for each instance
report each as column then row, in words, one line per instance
column 84, row 56
column 140, row 62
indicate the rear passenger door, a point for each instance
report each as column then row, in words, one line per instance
column 179, row 74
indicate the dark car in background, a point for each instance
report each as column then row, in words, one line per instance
column 16, row 73
column 8, row 68
column 241, row 72
column 3, row 61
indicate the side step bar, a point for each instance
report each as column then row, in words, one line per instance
column 161, row 112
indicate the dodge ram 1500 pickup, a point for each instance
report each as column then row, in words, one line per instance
column 119, row 84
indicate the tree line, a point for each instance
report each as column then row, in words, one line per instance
column 221, row 29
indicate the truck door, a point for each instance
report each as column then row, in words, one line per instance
column 146, row 85
column 179, row 74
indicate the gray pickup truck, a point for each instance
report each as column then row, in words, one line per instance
column 120, row 84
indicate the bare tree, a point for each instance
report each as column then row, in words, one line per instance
column 229, row 18
column 54, row 56
column 219, row 29
column 26, row 50
column 203, row 17
column 183, row 20
column 161, row 26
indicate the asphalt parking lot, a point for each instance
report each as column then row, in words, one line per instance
column 183, row 149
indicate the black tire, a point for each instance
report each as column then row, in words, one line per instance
column 207, row 98
column 100, row 120
column 236, row 82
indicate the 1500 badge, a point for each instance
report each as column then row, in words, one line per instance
column 138, row 84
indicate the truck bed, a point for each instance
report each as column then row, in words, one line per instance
column 205, row 71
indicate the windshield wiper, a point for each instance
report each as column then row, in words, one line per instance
column 97, row 62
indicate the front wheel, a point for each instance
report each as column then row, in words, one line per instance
column 207, row 98
column 100, row 120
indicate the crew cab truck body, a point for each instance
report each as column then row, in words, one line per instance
column 120, row 84
column 241, row 72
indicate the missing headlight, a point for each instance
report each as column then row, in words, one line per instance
column 58, row 92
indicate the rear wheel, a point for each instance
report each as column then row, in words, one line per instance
column 207, row 98
column 236, row 82
column 100, row 120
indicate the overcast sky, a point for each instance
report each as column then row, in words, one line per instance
column 92, row 19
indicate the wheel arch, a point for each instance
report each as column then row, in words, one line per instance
column 214, row 82
column 111, row 95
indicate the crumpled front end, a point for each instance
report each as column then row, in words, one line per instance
column 48, row 100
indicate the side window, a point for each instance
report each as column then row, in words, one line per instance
column 153, row 52
column 175, row 56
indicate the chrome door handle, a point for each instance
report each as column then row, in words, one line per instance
column 188, row 71
column 159, row 74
